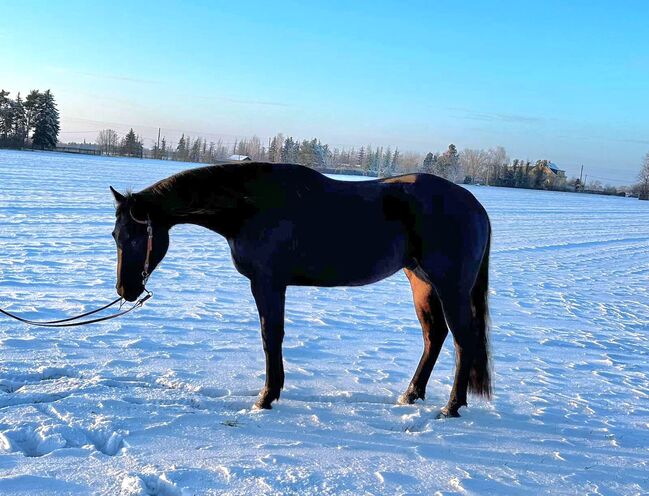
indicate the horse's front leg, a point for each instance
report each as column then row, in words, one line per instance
column 270, row 301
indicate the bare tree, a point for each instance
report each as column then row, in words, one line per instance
column 474, row 163
column 643, row 177
column 496, row 158
column 108, row 141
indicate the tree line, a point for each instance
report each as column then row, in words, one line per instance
column 33, row 121
column 469, row 166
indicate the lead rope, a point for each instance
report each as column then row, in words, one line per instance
column 69, row 321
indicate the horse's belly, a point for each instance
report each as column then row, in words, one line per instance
column 350, row 264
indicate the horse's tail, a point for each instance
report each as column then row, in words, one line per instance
column 480, row 378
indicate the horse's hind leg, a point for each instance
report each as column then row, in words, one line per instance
column 431, row 317
column 459, row 314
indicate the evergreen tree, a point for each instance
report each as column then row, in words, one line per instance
column 376, row 161
column 322, row 154
column 131, row 145
column 6, row 116
column 181, row 149
column 361, row 157
column 306, row 154
column 163, row 148
column 387, row 162
column 273, row 149
column 195, row 151
column 31, row 109
column 290, row 151
column 369, row 157
column 429, row 164
column 46, row 122
column 19, row 123
column 204, row 157
column 395, row 162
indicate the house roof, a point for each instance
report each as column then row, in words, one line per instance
column 239, row 158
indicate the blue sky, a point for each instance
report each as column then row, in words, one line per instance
column 563, row 80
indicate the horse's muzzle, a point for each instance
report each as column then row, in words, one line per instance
column 129, row 295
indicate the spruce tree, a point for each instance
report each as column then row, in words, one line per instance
column 19, row 123
column 272, row 150
column 6, row 116
column 387, row 161
column 31, row 109
column 429, row 163
column 46, row 122
column 195, row 152
column 395, row 162
column 181, row 149
column 361, row 157
column 290, row 150
column 132, row 146
column 367, row 164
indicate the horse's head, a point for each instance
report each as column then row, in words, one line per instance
column 134, row 218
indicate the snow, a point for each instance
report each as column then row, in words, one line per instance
column 159, row 402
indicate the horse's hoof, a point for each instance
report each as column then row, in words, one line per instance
column 446, row 413
column 265, row 399
column 407, row 398
column 410, row 396
column 262, row 405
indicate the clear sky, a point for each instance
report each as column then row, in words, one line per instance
column 563, row 80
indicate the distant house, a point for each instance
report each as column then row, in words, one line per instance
column 555, row 170
column 239, row 158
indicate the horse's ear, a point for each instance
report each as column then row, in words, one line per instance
column 119, row 198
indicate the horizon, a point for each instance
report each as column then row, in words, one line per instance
column 570, row 88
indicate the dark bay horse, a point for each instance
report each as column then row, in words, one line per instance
column 290, row 225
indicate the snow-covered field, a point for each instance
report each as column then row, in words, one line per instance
column 159, row 402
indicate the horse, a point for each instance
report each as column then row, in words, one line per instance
column 290, row 225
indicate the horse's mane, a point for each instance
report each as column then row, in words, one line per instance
column 205, row 190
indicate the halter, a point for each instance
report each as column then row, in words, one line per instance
column 149, row 245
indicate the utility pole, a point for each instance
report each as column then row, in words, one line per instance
column 581, row 185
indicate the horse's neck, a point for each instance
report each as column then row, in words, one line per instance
column 203, row 202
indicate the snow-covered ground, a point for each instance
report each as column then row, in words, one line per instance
column 159, row 402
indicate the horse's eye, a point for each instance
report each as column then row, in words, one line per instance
column 114, row 234
column 134, row 243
